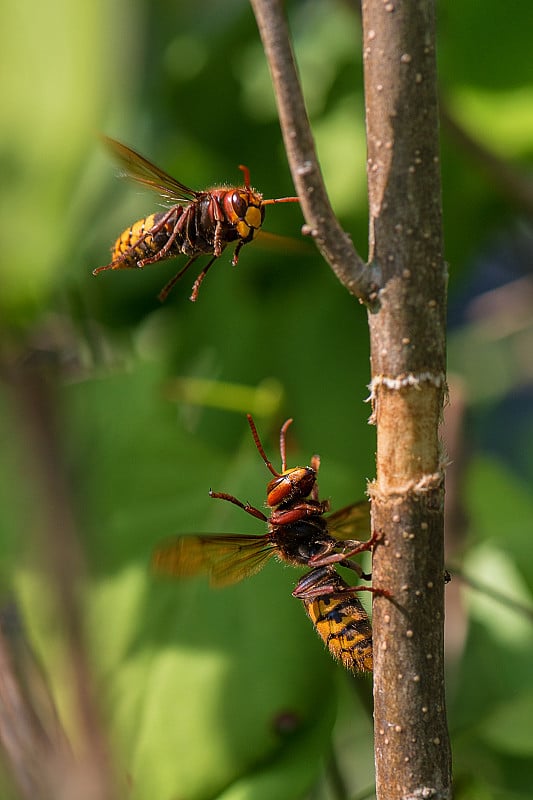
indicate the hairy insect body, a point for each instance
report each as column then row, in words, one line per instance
column 299, row 532
column 204, row 226
column 198, row 223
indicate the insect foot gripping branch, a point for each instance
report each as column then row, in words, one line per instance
column 300, row 532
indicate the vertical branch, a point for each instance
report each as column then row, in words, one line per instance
column 408, row 386
column 404, row 287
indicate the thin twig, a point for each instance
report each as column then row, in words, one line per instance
column 334, row 244
column 489, row 590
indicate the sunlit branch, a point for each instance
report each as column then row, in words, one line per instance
column 332, row 241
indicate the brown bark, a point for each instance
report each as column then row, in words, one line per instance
column 408, row 384
column 404, row 286
column 334, row 244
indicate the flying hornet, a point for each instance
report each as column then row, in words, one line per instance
column 197, row 223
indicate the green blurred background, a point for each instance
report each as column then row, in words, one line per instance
column 230, row 695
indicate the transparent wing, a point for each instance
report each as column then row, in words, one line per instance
column 143, row 171
column 279, row 243
column 350, row 522
column 225, row 559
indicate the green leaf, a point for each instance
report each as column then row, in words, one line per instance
column 196, row 684
column 501, row 510
column 509, row 728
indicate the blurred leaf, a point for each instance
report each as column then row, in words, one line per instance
column 499, row 649
column 501, row 510
column 508, row 133
column 192, row 681
column 289, row 774
column 195, row 683
column 57, row 58
column 471, row 37
column 509, row 727
column 494, row 569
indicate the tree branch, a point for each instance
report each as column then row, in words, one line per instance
column 408, row 386
column 334, row 244
column 407, row 329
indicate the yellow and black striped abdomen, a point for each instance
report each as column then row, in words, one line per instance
column 127, row 243
column 343, row 625
column 201, row 223
column 145, row 238
column 182, row 230
column 338, row 616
